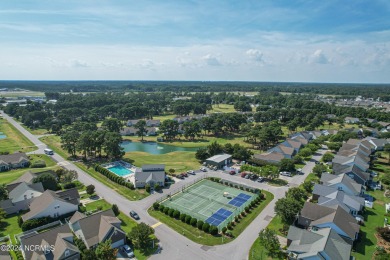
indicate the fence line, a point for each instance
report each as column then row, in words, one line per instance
column 55, row 223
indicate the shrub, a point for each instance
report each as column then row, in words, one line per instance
column 69, row 185
column 193, row 222
column 115, row 209
column 183, row 217
column 229, row 234
column 156, row 205
column 206, row 227
column 199, row 225
column 147, row 187
column 247, row 209
column 170, row 212
column 166, row 209
column 161, row 208
column 229, row 226
column 384, row 232
column 176, row 214
column 38, row 164
column 33, row 223
column 213, row 230
column 99, row 208
column 20, row 221
column 236, row 219
column 224, row 229
column 243, row 214
column 90, row 189
column 188, row 219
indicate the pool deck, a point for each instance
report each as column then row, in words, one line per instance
column 129, row 177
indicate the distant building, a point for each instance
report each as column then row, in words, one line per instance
column 12, row 161
column 219, row 160
column 150, row 174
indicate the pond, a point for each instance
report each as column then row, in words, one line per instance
column 154, row 148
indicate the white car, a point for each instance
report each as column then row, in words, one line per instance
column 191, row 172
column 127, row 250
column 203, row 169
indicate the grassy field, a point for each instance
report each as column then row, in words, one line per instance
column 366, row 246
column 54, row 142
column 180, row 161
column 136, row 194
column 21, row 94
column 14, row 141
column 42, row 157
column 222, row 108
column 126, row 225
column 203, row 238
column 258, row 252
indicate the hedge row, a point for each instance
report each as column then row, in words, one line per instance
column 113, row 177
column 34, row 223
column 206, row 227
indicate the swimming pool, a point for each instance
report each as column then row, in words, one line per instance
column 2, row 135
column 120, row 170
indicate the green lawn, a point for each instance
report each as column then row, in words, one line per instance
column 14, row 141
column 366, row 246
column 136, row 194
column 54, row 142
column 180, row 161
column 277, row 182
column 258, row 252
column 203, row 238
column 42, row 157
column 276, row 225
column 222, row 108
column 9, row 226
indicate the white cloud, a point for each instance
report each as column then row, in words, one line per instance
column 211, row 60
column 255, row 55
column 318, row 57
column 78, row 64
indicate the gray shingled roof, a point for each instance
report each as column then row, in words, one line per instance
column 219, row 158
column 13, row 158
column 310, row 243
column 328, row 179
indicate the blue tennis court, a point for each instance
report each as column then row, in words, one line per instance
column 239, row 200
column 218, row 217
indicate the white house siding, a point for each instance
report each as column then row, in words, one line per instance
column 64, row 208
column 29, row 195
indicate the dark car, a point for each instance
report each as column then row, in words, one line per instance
column 184, row 174
column 254, row 177
column 232, row 172
column 180, row 176
column 134, row 215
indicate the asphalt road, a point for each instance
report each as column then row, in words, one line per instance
column 176, row 246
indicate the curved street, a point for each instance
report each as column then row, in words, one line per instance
column 176, row 246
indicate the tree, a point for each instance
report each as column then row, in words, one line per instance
column 287, row 165
column 297, row 194
column 202, row 154
column 319, row 169
column 328, row 157
column 112, row 145
column 90, row 189
column 270, row 241
column 171, row 171
column 287, row 209
column 387, row 150
column 112, row 125
column 115, row 209
column 192, row 129
column 169, row 128
column 140, row 235
column 3, row 192
column 104, row 251
column 141, row 126
column 214, row 148
column 334, row 146
column 69, row 140
column 305, row 152
column 49, row 182
column 308, row 186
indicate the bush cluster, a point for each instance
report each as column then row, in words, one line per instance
column 69, row 185
column 113, row 177
column 206, row 227
column 38, row 164
column 34, row 223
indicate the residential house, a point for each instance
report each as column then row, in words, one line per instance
column 20, row 195
column 13, row 161
column 182, row 119
column 354, row 172
column 371, row 121
column 271, row 157
column 319, row 244
column 385, row 125
column 53, row 204
column 332, row 197
column 315, row 216
column 351, row 120
column 131, row 131
column 288, row 152
column 149, row 122
column 97, row 228
column 351, row 161
column 150, row 174
column 56, row 243
column 342, row 182
column 293, row 143
column 29, row 176
column 379, row 144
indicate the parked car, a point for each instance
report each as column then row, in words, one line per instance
column 254, row 177
column 191, row 172
column 127, row 250
column 260, row 179
column 243, row 174
column 232, row 172
column 184, row 174
column 299, row 171
column 288, row 174
column 134, row 215
column 179, row 176
column 203, row 169
column 247, row 176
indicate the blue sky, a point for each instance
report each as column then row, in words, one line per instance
column 268, row 40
